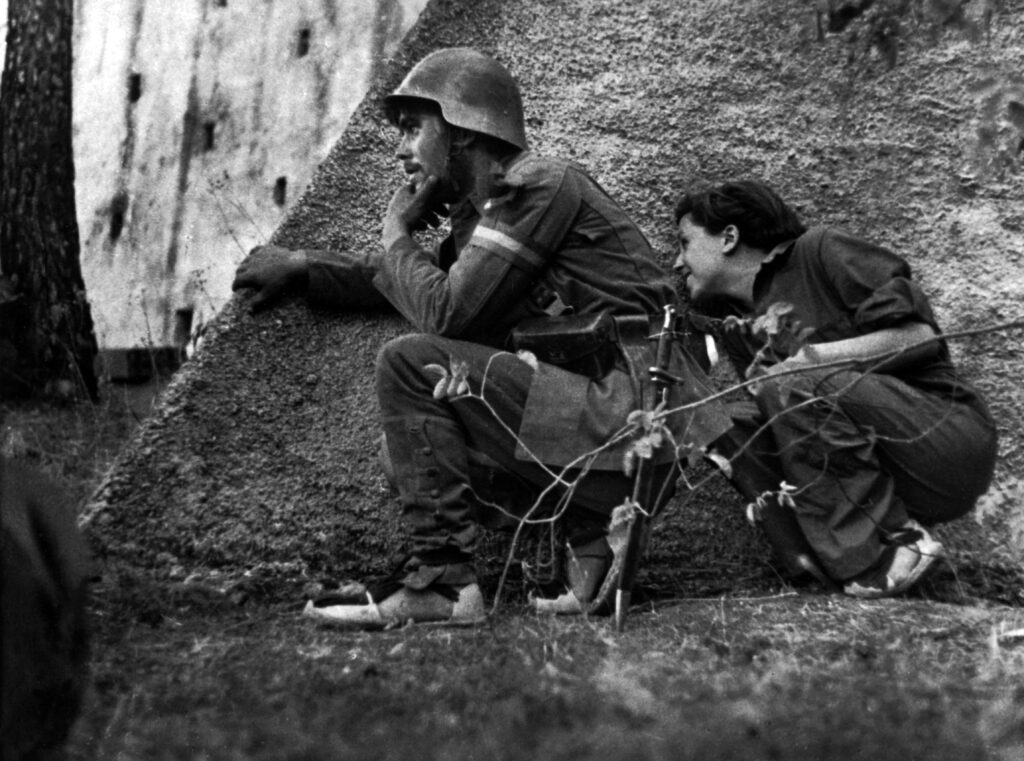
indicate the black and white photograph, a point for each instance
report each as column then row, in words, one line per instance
column 512, row 380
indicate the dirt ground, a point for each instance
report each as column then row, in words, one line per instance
column 784, row 675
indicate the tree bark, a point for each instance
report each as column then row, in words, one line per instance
column 47, row 343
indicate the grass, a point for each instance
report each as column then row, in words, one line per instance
column 184, row 671
column 779, row 677
column 75, row 444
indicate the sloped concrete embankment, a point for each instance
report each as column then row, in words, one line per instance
column 263, row 450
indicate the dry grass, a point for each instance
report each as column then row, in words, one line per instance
column 75, row 444
column 778, row 677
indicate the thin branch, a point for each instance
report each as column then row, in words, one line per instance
column 872, row 361
column 585, row 460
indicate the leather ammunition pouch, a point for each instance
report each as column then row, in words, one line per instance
column 585, row 344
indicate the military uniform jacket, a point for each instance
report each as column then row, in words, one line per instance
column 548, row 235
column 843, row 286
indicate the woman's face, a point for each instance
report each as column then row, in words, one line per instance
column 702, row 259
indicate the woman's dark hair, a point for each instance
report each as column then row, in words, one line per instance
column 761, row 216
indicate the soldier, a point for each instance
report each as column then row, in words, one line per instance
column 530, row 237
column 871, row 449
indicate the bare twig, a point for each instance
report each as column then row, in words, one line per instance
column 585, row 460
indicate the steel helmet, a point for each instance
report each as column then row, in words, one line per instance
column 474, row 91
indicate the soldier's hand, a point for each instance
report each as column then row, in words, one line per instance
column 412, row 208
column 272, row 271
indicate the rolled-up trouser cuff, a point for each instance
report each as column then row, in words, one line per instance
column 421, row 574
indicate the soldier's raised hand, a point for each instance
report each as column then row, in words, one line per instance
column 272, row 271
column 412, row 208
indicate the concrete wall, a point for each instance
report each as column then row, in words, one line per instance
column 197, row 124
column 263, row 451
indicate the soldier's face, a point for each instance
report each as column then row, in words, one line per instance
column 702, row 259
column 423, row 146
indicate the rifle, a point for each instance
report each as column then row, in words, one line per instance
column 646, row 502
column 643, row 486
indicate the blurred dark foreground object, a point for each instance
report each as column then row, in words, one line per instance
column 45, row 641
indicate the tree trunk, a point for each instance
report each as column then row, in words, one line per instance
column 47, row 342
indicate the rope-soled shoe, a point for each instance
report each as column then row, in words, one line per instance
column 587, row 566
column 901, row 566
column 448, row 606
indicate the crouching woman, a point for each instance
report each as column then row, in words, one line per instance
column 859, row 432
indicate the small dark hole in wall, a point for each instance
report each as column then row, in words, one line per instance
column 182, row 327
column 134, row 87
column 281, row 191
column 222, row 3
column 302, row 48
column 118, row 210
column 209, row 135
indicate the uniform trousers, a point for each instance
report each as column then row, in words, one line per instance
column 432, row 444
column 865, row 451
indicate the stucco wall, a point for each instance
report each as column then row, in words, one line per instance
column 263, row 449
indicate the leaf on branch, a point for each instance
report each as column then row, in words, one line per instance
column 782, row 496
column 784, row 336
column 641, row 419
column 693, row 455
column 649, row 421
column 460, row 373
column 755, row 509
column 451, row 384
column 785, row 495
column 619, row 525
column 772, row 321
column 734, row 324
column 441, row 387
column 643, row 447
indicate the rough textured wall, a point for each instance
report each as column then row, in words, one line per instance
column 263, row 450
column 197, row 125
